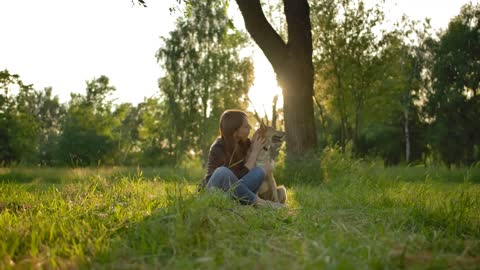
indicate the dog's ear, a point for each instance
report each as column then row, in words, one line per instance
column 262, row 125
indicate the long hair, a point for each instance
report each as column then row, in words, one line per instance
column 231, row 121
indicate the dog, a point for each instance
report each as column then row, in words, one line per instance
column 269, row 190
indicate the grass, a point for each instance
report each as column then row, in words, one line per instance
column 356, row 216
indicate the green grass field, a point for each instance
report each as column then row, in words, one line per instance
column 356, row 216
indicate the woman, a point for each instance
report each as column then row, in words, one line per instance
column 232, row 157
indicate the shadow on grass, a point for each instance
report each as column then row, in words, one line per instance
column 191, row 231
column 183, row 229
column 49, row 175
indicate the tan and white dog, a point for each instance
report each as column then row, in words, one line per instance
column 269, row 190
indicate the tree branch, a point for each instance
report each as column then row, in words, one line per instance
column 297, row 13
column 140, row 2
column 262, row 32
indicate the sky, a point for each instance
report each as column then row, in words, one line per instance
column 64, row 43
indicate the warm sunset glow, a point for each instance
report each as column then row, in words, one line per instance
column 62, row 49
column 264, row 88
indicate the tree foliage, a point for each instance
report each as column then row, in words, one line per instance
column 346, row 61
column 454, row 100
column 29, row 121
column 204, row 76
column 403, row 95
column 87, row 132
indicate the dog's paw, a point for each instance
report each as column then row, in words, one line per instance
column 282, row 194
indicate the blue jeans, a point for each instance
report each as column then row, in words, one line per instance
column 244, row 189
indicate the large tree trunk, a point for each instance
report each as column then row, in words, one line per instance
column 298, row 113
column 292, row 62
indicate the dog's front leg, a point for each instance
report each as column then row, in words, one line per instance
column 270, row 181
column 273, row 187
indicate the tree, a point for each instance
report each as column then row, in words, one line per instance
column 19, row 126
column 346, row 60
column 6, row 110
column 204, row 76
column 397, row 134
column 454, row 98
column 292, row 62
column 87, row 136
column 155, row 136
column 408, row 46
column 367, row 80
column 49, row 113
column 125, row 132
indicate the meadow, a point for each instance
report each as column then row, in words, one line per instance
column 342, row 214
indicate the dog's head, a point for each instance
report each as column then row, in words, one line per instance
column 273, row 137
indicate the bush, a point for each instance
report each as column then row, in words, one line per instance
column 316, row 168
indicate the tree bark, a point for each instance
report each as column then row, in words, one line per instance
column 292, row 63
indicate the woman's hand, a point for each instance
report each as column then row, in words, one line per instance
column 257, row 144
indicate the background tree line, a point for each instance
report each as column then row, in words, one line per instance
column 404, row 95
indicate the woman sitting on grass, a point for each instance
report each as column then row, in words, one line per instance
column 229, row 166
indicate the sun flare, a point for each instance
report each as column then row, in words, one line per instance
column 264, row 88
